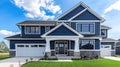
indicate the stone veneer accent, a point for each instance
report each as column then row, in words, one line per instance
column 113, row 53
column 76, row 54
column 89, row 53
column 48, row 54
column 12, row 53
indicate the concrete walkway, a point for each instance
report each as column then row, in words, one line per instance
column 113, row 58
column 15, row 62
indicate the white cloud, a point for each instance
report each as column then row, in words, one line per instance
column 114, row 6
column 7, row 33
column 36, row 8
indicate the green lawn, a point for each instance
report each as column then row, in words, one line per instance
column 76, row 63
column 4, row 56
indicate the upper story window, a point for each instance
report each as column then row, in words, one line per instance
column 85, row 27
column 87, row 44
column 103, row 32
column 47, row 28
column 32, row 30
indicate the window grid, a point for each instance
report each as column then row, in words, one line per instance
column 32, row 30
column 85, row 28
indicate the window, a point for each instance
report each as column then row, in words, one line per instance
column 103, row 32
column 32, row 30
column 86, row 44
column 20, row 45
column 47, row 28
column 41, row 45
column 34, row 45
column 85, row 27
column 26, row 45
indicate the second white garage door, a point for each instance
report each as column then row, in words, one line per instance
column 105, row 50
column 30, row 50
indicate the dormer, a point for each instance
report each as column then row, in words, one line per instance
column 104, row 31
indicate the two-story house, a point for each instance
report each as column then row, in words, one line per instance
column 78, row 31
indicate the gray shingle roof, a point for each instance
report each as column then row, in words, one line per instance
column 105, row 27
column 36, row 22
column 18, row 36
column 109, row 39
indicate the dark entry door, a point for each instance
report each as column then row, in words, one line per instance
column 61, row 48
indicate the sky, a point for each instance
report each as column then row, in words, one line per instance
column 15, row 11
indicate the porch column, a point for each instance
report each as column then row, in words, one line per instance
column 47, row 47
column 76, row 50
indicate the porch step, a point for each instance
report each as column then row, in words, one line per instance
column 64, row 58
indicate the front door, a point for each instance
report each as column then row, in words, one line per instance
column 61, row 47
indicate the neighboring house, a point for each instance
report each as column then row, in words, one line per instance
column 118, row 47
column 79, row 31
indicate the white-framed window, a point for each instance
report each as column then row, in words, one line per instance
column 87, row 44
column 47, row 28
column 104, row 33
column 85, row 28
column 32, row 30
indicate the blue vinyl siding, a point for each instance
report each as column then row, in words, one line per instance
column 86, row 16
column 97, row 44
column 13, row 42
column 62, row 31
column 97, row 29
column 109, row 43
column 72, row 13
column 42, row 31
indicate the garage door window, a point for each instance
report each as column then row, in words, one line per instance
column 41, row 45
column 34, row 45
column 26, row 45
column 20, row 45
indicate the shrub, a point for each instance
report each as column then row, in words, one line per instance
column 75, row 58
column 31, row 58
column 26, row 60
column 45, row 56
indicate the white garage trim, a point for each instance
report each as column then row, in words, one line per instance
column 16, row 46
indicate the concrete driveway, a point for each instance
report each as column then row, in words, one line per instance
column 113, row 58
column 15, row 62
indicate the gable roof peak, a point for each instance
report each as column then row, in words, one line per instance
column 86, row 7
column 44, row 35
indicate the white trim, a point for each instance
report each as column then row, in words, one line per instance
column 107, row 41
column 79, row 21
column 90, row 50
column 25, row 44
column 25, row 38
column 44, row 35
column 39, row 28
column 37, row 24
column 77, row 14
column 80, row 3
column 11, row 49
column 97, row 15
column 85, row 32
column 85, row 6
column 92, row 38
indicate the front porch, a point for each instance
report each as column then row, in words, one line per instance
column 62, row 46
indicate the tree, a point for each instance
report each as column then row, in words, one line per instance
column 3, row 47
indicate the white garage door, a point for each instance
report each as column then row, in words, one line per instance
column 30, row 50
column 105, row 50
